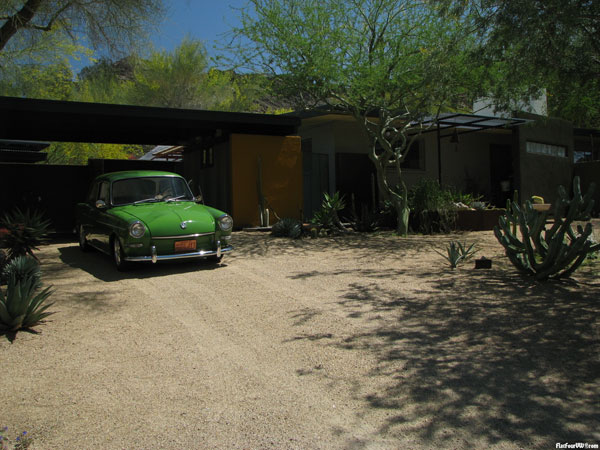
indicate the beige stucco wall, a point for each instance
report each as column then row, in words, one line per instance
column 465, row 165
column 345, row 137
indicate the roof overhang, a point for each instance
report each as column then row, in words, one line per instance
column 51, row 120
column 22, row 151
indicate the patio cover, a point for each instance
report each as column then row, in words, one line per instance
column 463, row 123
column 469, row 123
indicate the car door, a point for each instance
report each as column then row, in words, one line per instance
column 86, row 214
column 103, row 221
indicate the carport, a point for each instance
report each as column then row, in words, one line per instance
column 216, row 149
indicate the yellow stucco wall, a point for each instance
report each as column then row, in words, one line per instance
column 281, row 176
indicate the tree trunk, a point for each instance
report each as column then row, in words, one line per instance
column 17, row 21
column 399, row 201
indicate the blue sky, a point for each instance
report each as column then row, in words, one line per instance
column 204, row 20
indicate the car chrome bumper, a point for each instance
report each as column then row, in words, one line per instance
column 154, row 257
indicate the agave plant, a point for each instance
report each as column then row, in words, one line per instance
column 21, row 268
column 328, row 216
column 287, row 227
column 22, row 305
column 457, row 253
column 3, row 262
column 26, row 231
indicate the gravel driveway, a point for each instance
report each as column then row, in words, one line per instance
column 343, row 343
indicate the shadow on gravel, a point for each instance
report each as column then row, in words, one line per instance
column 488, row 356
column 362, row 245
column 102, row 267
column 499, row 357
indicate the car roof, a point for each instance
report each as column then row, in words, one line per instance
column 114, row 176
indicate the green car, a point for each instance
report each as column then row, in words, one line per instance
column 147, row 215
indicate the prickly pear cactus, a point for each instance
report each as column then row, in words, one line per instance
column 552, row 250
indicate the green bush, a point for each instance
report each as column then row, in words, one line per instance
column 22, row 305
column 432, row 207
column 26, row 231
column 287, row 227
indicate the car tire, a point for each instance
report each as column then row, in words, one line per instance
column 83, row 243
column 118, row 255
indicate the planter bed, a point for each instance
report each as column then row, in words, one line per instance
column 478, row 220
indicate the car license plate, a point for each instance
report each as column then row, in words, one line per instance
column 181, row 246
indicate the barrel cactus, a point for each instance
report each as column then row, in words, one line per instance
column 548, row 250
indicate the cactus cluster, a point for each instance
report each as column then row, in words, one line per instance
column 553, row 250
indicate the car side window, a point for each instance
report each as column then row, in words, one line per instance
column 103, row 192
column 91, row 198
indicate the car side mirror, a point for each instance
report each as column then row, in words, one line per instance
column 100, row 204
column 198, row 198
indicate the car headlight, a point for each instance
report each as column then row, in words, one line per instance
column 137, row 229
column 225, row 223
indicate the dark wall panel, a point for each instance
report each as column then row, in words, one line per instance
column 56, row 189
column 589, row 172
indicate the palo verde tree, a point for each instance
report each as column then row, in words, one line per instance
column 390, row 64
column 46, row 27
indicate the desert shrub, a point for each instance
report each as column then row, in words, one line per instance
column 26, row 231
column 432, row 207
column 287, row 227
column 21, row 442
column 23, row 303
column 367, row 221
column 458, row 196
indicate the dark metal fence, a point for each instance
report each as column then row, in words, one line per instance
column 56, row 189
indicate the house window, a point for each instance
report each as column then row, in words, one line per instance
column 538, row 148
column 414, row 159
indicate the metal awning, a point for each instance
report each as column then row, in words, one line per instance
column 462, row 123
column 469, row 123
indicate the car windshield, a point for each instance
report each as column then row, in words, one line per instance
column 150, row 189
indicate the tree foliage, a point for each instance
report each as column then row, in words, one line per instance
column 184, row 78
column 29, row 27
column 535, row 44
column 388, row 63
column 50, row 81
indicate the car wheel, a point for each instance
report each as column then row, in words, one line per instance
column 118, row 255
column 83, row 243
